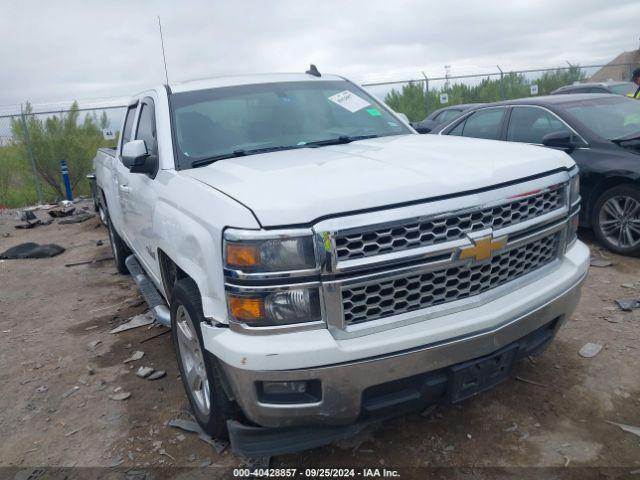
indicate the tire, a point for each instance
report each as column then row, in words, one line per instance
column 119, row 249
column 616, row 220
column 199, row 370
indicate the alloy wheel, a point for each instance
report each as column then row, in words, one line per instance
column 192, row 360
column 619, row 221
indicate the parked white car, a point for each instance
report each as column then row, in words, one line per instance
column 322, row 265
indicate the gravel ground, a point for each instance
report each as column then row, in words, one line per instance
column 60, row 369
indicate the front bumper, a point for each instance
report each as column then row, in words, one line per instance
column 390, row 399
column 344, row 384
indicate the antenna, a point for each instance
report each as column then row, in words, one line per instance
column 164, row 59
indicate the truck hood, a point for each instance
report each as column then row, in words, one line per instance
column 302, row 185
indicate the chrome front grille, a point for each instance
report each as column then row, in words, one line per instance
column 415, row 233
column 384, row 298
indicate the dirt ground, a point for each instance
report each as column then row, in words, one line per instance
column 56, row 382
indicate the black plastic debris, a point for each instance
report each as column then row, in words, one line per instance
column 628, row 304
column 193, row 427
column 186, row 425
column 61, row 212
column 30, row 220
column 81, row 217
column 26, row 226
column 32, row 250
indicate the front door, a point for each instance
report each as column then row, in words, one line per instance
column 142, row 193
column 118, row 209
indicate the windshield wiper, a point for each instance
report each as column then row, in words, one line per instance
column 342, row 139
column 253, row 151
column 239, row 153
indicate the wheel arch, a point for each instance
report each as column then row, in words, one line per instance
column 170, row 273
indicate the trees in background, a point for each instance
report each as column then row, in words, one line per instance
column 413, row 102
column 61, row 137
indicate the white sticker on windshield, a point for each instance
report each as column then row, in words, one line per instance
column 349, row 100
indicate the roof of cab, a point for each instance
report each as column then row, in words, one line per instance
column 228, row 81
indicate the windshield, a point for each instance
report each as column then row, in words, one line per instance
column 624, row 88
column 250, row 119
column 612, row 117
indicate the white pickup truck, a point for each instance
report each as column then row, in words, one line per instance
column 323, row 266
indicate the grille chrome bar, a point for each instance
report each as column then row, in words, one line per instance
column 437, row 250
column 373, row 300
column 440, row 229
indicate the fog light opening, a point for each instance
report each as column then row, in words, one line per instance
column 284, row 388
column 298, row 391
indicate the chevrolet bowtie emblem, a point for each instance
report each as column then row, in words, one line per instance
column 482, row 248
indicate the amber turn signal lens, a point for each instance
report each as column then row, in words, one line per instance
column 242, row 255
column 246, row 309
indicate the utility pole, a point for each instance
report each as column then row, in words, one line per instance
column 31, row 157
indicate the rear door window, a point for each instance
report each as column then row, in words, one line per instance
column 531, row 124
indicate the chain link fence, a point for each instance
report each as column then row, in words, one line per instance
column 34, row 141
column 421, row 95
column 32, row 145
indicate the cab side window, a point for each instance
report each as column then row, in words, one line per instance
column 128, row 124
column 147, row 126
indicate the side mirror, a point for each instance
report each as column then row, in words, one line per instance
column 563, row 139
column 422, row 129
column 136, row 158
column 425, row 126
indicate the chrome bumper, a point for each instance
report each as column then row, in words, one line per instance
column 343, row 384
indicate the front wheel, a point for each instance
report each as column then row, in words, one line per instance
column 198, row 369
column 616, row 219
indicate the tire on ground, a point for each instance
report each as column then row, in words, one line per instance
column 185, row 294
column 631, row 191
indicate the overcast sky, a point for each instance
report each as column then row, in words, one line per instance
column 61, row 50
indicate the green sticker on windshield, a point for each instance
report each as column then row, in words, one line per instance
column 374, row 112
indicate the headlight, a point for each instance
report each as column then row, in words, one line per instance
column 574, row 199
column 574, row 187
column 253, row 252
column 256, row 259
column 276, row 307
